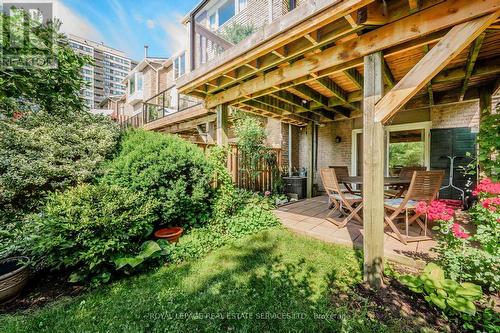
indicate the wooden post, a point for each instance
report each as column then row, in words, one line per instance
column 310, row 155
column 373, row 172
column 222, row 115
column 210, row 132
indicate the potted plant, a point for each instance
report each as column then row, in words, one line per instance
column 13, row 277
column 171, row 234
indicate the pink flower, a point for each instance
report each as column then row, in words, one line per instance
column 458, row 232
column 267, row 193
column 486, row 186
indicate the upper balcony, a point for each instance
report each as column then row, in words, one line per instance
column 166, row 108
column 219, row 25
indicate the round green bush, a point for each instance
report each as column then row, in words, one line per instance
column 86, row 227
column 167, row 168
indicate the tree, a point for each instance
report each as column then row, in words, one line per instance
column 30, row 88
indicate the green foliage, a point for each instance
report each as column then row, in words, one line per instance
column 489, row 145
column 167, row 168
column 406, row 154
column 236, row 32
column 87, row 227
column 149, row 250
column 252, row 213
column 444, row 293
column 40, row 154
column 285, row 279
column 53, row 90
column 475, row 258
column 225, row 198
column 251, row 135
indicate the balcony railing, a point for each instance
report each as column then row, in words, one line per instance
column 207, row 44
column 161, row 105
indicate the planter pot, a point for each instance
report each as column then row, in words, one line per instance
column 170, row 234
column 13, row 277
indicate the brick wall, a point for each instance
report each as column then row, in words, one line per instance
column 457, row 115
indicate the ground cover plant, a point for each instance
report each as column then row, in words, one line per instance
column 273, row 281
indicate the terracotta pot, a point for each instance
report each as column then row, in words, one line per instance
column 13, row 277
column 170, row 234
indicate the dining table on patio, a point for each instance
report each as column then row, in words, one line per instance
column 401, row 183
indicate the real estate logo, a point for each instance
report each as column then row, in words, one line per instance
column 25, row 42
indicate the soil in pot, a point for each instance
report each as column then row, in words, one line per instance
column 170, row 234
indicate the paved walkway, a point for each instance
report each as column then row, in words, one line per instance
column 307, row 217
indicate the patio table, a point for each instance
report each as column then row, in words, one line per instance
column 358, row 180
column 401, row 183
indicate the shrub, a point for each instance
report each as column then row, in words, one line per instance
column 236, row 32
column 167, row 168
column 40, row 154
column 43, row 153
column 467, row 256
column 85, row 228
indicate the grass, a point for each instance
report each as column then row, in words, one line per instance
column 273, row 281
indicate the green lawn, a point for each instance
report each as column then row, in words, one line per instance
column 270, row 282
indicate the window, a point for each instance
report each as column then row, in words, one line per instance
column 211, row 22
column 180, row 65
column 242, row 4
column 226, row 11
column 405, row 148
column 131, row 85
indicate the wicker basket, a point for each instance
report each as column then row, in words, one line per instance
column 13, row 281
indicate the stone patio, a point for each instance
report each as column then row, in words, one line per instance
column 307, row 217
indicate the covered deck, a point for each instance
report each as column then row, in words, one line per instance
column 308, row 217
column 328, row 62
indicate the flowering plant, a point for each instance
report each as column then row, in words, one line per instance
column 469, row 256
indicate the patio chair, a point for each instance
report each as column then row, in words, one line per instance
column 424, row 186
column 343, row 171
column 406, row 173
column 344, row 202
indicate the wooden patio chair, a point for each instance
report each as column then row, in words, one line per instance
column 424, row 186
column 343, row 171
column 346, row 203
column 406, row 173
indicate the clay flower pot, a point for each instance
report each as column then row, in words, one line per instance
column 13, row 277
column 170, row 234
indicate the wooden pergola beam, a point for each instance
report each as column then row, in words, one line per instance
column 430, row 92
column 355, row 77
column 336, row 90
column 471, row 61
column 432, row 63
column 388, row 77
column 433, row 19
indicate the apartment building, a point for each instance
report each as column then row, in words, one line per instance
column 105, row 76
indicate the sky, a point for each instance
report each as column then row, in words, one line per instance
column 127, row 25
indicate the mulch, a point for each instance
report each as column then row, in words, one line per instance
column 42, row 289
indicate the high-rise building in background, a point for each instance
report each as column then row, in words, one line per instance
column 106, row 74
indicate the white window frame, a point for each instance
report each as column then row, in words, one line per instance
column 425, row 125
column 215, row 12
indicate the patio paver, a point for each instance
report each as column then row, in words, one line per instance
column 307, row 217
